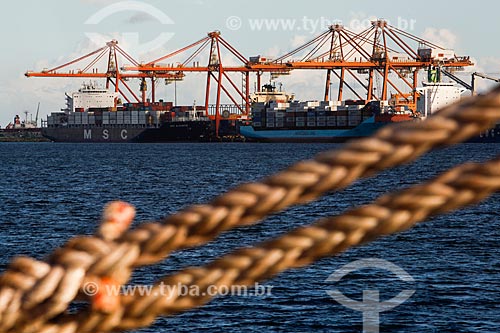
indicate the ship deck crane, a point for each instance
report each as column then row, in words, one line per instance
column 457, row 79
column 472, row 85
column 481, row 75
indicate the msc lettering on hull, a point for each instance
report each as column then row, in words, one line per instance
column 87, row 134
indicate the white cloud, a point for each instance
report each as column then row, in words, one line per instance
column 97, row 2
column 140, row 18
column 359, row 21
column 273, row 52
column 299, row 40
column 441, row 37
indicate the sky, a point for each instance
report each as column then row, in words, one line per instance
column 44, row 34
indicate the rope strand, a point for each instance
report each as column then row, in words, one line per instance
column 459, row 187
column 34, row 293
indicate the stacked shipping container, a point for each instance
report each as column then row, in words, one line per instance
column 311, row 114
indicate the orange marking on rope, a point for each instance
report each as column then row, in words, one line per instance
column 116, row 218
column 107, row 297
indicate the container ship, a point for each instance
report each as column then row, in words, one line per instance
column 276, row 117
column 91, row 116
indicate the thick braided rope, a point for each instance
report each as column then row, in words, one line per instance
column 33, row 291
column 459, row 187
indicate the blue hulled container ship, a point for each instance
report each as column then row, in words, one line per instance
column 277, row 117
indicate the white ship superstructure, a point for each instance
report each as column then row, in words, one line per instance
column 437, row 95
column 91, row 96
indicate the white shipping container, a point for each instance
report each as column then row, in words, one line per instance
column 330, row 103
column 438, row 54
column 312, row 103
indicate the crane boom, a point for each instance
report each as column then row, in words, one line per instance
column 37, row 110
column 458, row 80
column 481, row 75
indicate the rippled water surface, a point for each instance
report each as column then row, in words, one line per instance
column 51, row 192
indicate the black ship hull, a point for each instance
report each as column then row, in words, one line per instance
column 185, row 131
column 489, row 136
column 21, row 135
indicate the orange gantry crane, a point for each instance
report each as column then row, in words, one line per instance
column 218, row 78
column 380, row 54
column 111, row 54
column 379, row 59
column 214, row 47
